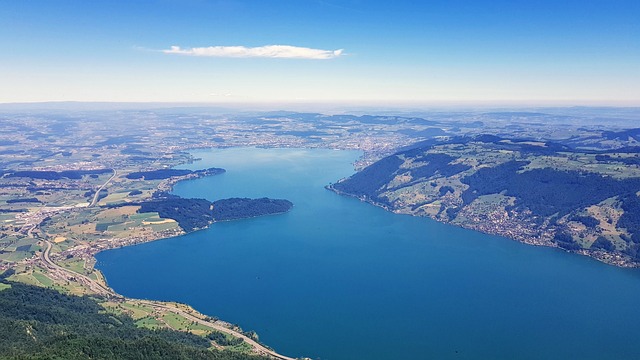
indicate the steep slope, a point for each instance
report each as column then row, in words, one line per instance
column 536, row 192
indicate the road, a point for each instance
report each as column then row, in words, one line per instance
column 260, row 349
column 94, row 201
column 85, row 280
column 98, row 288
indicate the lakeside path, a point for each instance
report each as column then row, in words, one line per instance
column 61, row 273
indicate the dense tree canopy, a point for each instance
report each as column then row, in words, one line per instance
column 240, row 208
column 369, row 181
column 546, row 191
column 38, row 323
column 191, row 214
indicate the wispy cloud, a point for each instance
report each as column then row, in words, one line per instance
column 269, row 51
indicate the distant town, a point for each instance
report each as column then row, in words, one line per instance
column 74, row 183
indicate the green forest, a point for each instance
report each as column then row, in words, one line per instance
column 546, row 191
column 191, row 214
column 547, row 194
column 241, row 208
column 39, row 323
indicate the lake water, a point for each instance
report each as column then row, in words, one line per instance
column 336, row 278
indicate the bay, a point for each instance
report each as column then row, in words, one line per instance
column 336, row 278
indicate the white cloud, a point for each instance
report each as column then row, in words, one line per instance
column 269, row 51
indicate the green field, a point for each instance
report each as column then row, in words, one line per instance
column 74, row 265
column 42, row 279
column 16, row 256
column 178, row 322
column 149, row 323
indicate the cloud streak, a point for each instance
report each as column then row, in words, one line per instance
column 268, row 51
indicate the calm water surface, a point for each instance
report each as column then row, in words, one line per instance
column 336, row 278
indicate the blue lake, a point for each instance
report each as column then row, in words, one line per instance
column 337, row 278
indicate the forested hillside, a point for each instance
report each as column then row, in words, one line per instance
column 38, row 323
column 537, row 192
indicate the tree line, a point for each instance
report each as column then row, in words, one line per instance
column 40, row 323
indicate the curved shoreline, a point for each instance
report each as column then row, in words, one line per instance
column 614, row 259
column 87, row 251
column 248, row 217
column 104, row 290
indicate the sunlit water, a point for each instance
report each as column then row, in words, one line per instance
column 336, row 278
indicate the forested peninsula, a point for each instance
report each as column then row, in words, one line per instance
column 194, row 214
column 242, row 208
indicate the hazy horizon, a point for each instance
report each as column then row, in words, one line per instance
column 325, row 107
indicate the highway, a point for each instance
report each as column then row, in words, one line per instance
column 94, row 201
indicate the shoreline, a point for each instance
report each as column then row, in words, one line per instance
column 185, row 310
column 103, row 289
column 613, row 259
column 246, row 218
column 88, row 250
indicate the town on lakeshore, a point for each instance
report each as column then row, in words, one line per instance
column 77, row 183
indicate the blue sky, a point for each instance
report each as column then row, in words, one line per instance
column 360, row 52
